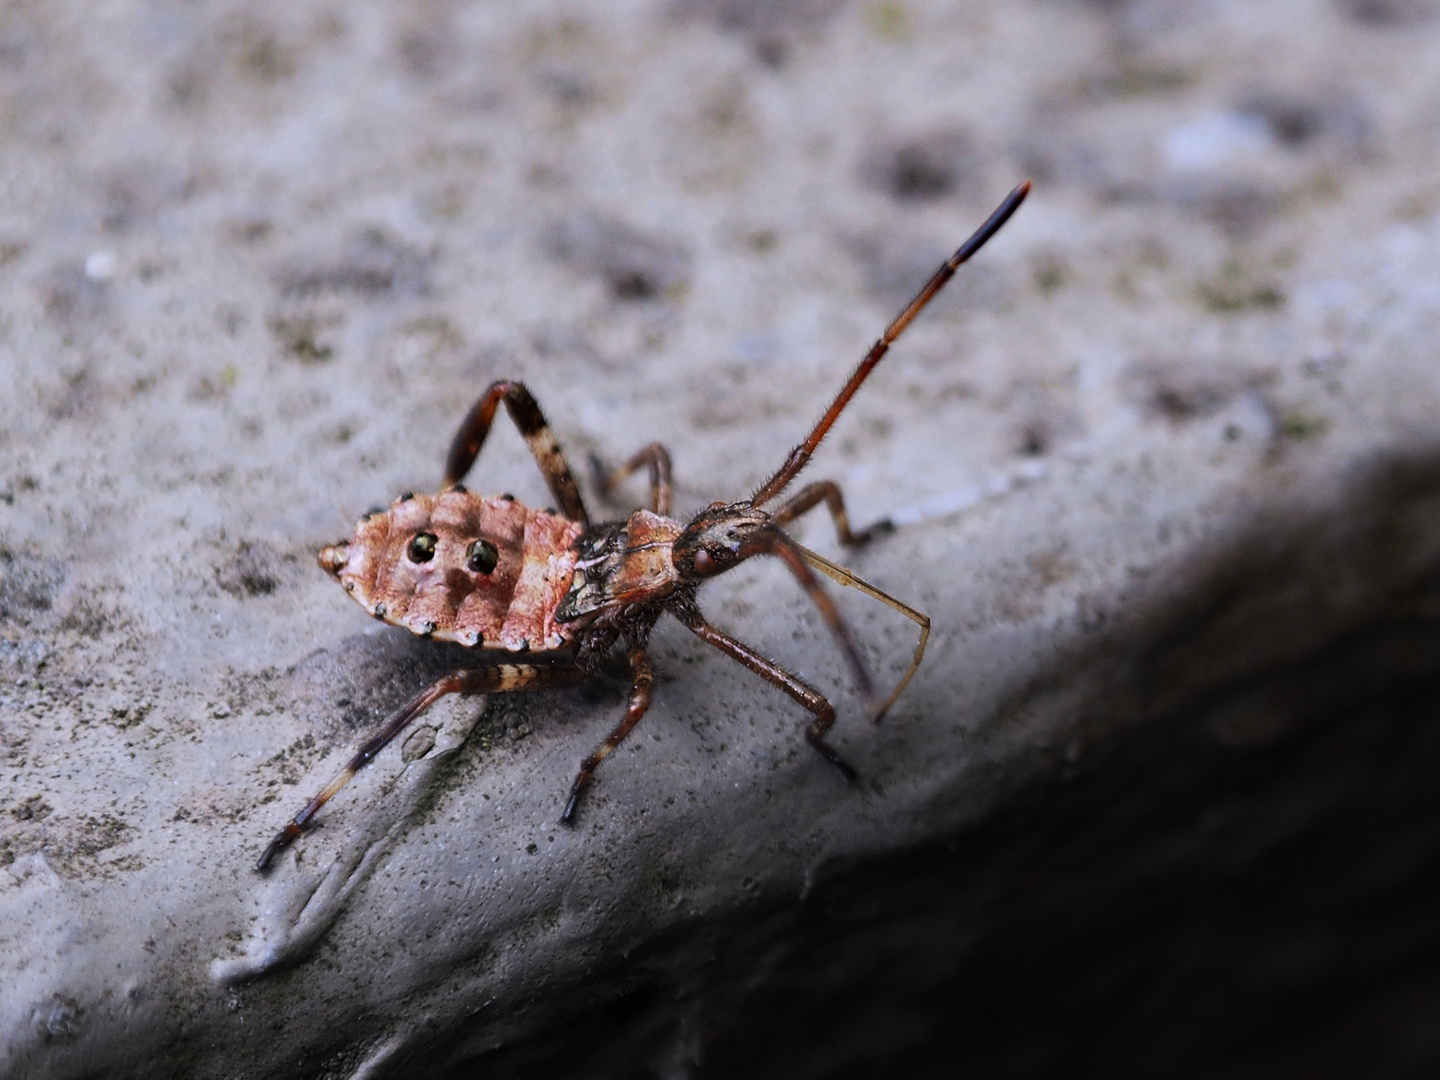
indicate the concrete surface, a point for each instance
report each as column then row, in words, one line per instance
column 1167, row 449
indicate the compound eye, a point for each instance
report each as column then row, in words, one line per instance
column 481, row 557
column 704, row 562
column 422, row 547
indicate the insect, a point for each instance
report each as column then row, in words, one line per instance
column 490, row 573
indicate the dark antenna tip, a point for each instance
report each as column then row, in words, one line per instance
column 262, row 865
column 992, row 224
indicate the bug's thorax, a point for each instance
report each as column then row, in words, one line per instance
column 621, row 564
column 484, row 571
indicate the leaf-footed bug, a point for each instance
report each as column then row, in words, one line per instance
column 490, row 573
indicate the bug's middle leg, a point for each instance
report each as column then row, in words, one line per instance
column 494, row 678
column 657, row 458
column 640, row 688
column 525, row 411
column 826, row 491
column 777, row 676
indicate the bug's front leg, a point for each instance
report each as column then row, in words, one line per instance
column 775, row 675
column 496, row 678
column 643, row 681
column 811, row 495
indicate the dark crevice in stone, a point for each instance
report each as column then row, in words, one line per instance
column 1238, row 877
column 1180, row 907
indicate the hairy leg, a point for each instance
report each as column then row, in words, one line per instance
column 640, row 688
column 522, row 407
column 774, row 674
column 497, row 678
column 826, row 491
column 658, row 459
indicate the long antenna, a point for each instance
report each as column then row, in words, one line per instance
column 800, row 456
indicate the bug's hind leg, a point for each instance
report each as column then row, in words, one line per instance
column 640, row 688
column 777, row 676
column 657, row 458
column 496, row 678
column 826, row 491
column 524, row 410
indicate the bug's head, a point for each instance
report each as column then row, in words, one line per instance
column 719, row 537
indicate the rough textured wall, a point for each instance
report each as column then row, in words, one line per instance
column 1165, row 457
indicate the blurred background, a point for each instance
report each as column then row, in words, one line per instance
column 255, row 258
column 694, row 179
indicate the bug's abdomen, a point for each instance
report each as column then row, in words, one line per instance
column 484, row 572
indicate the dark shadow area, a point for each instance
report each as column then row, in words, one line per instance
column 1244, row 883
column 1179, row 908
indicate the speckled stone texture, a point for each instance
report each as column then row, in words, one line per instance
column 1165, row 458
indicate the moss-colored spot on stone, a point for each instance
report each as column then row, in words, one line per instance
column 1050, row 276
column 1233, row 298
column 889, row 20
column 298, row 336
column 1297, row 425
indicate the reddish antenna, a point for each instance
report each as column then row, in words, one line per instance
column 800, row 456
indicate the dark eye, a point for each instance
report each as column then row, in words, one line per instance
column 422, row 547
column 704, row 563
column 481, row 557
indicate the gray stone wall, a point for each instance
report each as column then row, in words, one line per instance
column 1165, row 459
